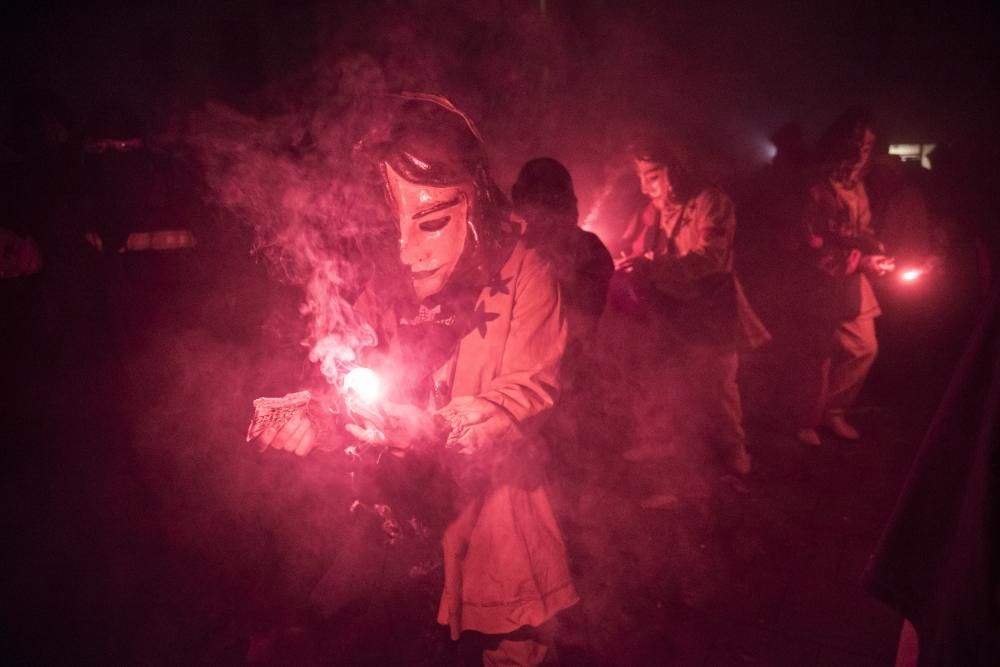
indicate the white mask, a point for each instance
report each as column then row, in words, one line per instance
column 654, row 181
column 433, row 227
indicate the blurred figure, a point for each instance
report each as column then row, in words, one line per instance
column 680, row 256
column 900, row 210
column 768, row 261
column 543, row 196
column 790, row 150
column 838, row 238
column 46, row 288
column 770, row 210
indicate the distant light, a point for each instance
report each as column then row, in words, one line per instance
column 770, row 150
column 913, row 152
column 364, row 382
column 910, row 275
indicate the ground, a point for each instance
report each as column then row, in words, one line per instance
column 144, row 530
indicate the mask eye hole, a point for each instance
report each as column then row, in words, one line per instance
column 435, row 224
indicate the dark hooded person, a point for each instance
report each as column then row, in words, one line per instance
column 473, row 345
column 543, row 197
column 679, row 248
column 545, row 201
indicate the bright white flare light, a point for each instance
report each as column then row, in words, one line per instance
column 910, row 275
column 364, row 382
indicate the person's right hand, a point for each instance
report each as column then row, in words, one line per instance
column 297, row 436
column 405, row 425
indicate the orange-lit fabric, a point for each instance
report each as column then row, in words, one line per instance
column 694, row 240
column 505, row 561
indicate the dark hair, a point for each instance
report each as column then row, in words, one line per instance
column 841, row 143
column 428, row 141
column 543, row 194
column 686, row 180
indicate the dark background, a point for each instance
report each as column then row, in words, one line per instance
column 143, row 530
column 567, row 72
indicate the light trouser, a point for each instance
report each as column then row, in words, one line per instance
column 854, row 352
column 708, row 407
column 830, row 383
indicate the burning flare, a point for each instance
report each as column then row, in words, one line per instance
column 364, row 383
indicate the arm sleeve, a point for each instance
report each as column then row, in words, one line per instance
column 715, row 224
column 527, row 385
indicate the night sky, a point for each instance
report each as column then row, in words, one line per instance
column 928, row 68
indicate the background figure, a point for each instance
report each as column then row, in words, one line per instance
column 544, row 198
column 769, row 263
column 839, row 304
column 680, row 266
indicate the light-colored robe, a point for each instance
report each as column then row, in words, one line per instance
column 505, row 561
column 691, row 242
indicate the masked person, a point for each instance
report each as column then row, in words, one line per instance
column 838, row 237
column 679, row 248
column 475, row 340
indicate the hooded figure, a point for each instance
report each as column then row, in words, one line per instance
column 544, row 197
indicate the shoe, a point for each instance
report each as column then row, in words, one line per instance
column 738, row 462
column 645, row 453
column 808, row 437
column 837, row 425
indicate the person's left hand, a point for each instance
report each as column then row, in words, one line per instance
column 403, row 427
column 878, row 265
column 476, row 423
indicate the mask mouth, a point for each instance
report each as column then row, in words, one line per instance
column 423, row 275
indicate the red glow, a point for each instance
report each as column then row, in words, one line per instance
column 910, row 275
